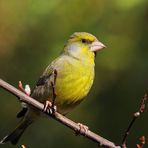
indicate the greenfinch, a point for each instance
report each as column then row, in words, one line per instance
column 71, row 74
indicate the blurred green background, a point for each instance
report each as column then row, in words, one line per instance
column 32, row 34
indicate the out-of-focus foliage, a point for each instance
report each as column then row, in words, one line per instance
column 32, row 34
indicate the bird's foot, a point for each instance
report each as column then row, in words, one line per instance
column 26, row 90
column 83, row 129
column 49, row 108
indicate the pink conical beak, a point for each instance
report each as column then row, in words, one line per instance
column 96, row 46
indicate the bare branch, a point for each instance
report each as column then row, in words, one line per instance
column 135, row 116
column 62, row 119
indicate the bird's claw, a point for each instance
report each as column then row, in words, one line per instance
column 49, row 108
column 83, row 129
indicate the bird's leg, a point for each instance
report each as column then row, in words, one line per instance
column 83, row 129
column 47, row 106
column 50, row 106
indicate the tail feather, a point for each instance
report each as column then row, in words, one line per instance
column 14, row 136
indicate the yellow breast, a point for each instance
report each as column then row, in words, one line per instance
column 73, row 83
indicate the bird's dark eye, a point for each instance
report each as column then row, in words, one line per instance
column 84, row 41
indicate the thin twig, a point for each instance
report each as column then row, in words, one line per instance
column 62, row 119
column 135, row 116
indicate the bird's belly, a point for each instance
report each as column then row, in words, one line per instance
column 71, row 89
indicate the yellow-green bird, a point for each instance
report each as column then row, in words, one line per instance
column 74, row 70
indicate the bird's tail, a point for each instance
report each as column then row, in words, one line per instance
column 14, row 136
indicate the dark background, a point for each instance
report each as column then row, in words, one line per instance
column 32, row 34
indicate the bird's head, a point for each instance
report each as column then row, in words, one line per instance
column 83, row 45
